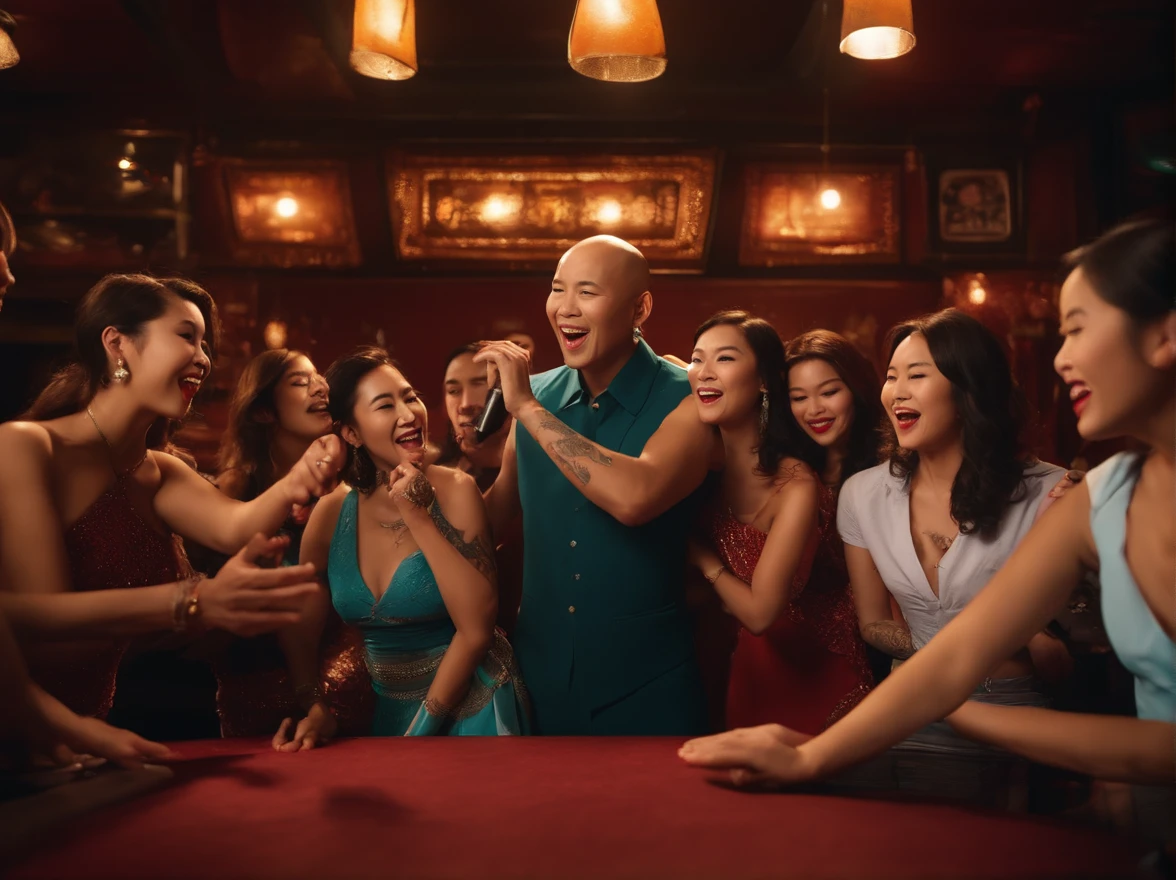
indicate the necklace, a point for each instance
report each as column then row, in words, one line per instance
column 120, row 475
column 398, row 527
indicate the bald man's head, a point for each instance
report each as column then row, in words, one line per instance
column 608, row 260
column 599, row 295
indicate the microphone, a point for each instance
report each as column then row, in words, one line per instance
column 493, row 416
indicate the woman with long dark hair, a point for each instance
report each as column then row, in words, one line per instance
column 833, row 390
column 796, row 661
column 930, row 525
column 92, row 502
column 406, row 556
column 1118, row 363
column 278, row 410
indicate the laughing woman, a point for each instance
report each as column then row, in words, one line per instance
column 1118, row 360
column 798, row 659
column 280, row 408
column 406, row 557
column 92, row 501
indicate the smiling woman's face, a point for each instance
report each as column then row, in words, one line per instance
column 389, row 419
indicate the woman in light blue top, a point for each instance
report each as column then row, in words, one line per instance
column 1118, row 361
column 407, row 558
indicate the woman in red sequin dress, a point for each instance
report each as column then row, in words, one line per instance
column 92, row 500
column 770, row 541
column 280, row 407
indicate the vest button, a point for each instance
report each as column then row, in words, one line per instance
column 571, row 609
column 572, row 544
column 575, row 577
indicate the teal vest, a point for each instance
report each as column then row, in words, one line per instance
column 603, row 596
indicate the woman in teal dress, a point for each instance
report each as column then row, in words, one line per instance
column 404, row 550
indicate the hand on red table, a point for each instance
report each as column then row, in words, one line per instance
column 766, row 753
column 92, row 736
column 316, row 729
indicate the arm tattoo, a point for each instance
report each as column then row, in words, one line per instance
column 480, row 556
column 572, row 446
column 419, row 491
column 890, row 638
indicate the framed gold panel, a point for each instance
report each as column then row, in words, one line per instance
column 291, row 214
column 798, row 215
column 527, row 210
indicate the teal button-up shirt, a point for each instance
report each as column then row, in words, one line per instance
column 603, row 598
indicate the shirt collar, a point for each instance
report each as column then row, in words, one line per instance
column 630, row 387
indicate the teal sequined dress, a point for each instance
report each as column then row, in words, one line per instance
column 406, row 634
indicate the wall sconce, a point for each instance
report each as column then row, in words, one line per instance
column 8, row 54
column 275, row 334
column 977, row 292
column 877, row 29
column 290, row 214
column 617, row 40
column 383, row 42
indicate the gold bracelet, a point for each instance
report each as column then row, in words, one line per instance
column 718, row 573
column 187, row 605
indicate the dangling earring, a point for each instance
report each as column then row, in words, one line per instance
column 764, row 414
column 120, row 374
column 637, row 334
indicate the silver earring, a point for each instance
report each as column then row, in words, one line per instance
column 637, row 334
column 764, row 414
column 120, row 374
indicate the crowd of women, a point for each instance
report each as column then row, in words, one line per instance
column 367, row 589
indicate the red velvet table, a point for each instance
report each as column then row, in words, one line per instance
column 533, row 807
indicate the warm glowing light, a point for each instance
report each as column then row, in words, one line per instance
column 617, row 40
column 609, row 212
column 383, row 42
column 977, row 295
column 286, row 206
column 275, row 334
column 8, row 54
column 830, row 199
column 877, row 29
column 498, row 208
column 126, row 164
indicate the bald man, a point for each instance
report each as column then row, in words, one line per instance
column 603, row 462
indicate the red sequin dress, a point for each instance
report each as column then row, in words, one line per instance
column 109, row 546
column 810, row 667
column 254, row 693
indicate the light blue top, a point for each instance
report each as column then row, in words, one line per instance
column 1140, row 643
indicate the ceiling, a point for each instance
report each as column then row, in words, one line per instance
column 504, row 62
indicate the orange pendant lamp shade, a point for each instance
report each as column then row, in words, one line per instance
column 617, row 40
column 877, row 29
column 383, row 44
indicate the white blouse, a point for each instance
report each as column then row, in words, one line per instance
column 874, row 512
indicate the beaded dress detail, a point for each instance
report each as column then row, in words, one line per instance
column 810, row 667
column 109, row 546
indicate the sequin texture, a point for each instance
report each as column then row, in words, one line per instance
column 781, row 675
column 109, row 546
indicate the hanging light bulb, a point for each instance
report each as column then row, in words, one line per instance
column 830, row 199
column 383, row 43
column 877, row 29
column 8, row 54
column 617, row 40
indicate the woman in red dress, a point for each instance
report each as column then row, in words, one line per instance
column 771, row 555
column 94, row 503
column 280, row 408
